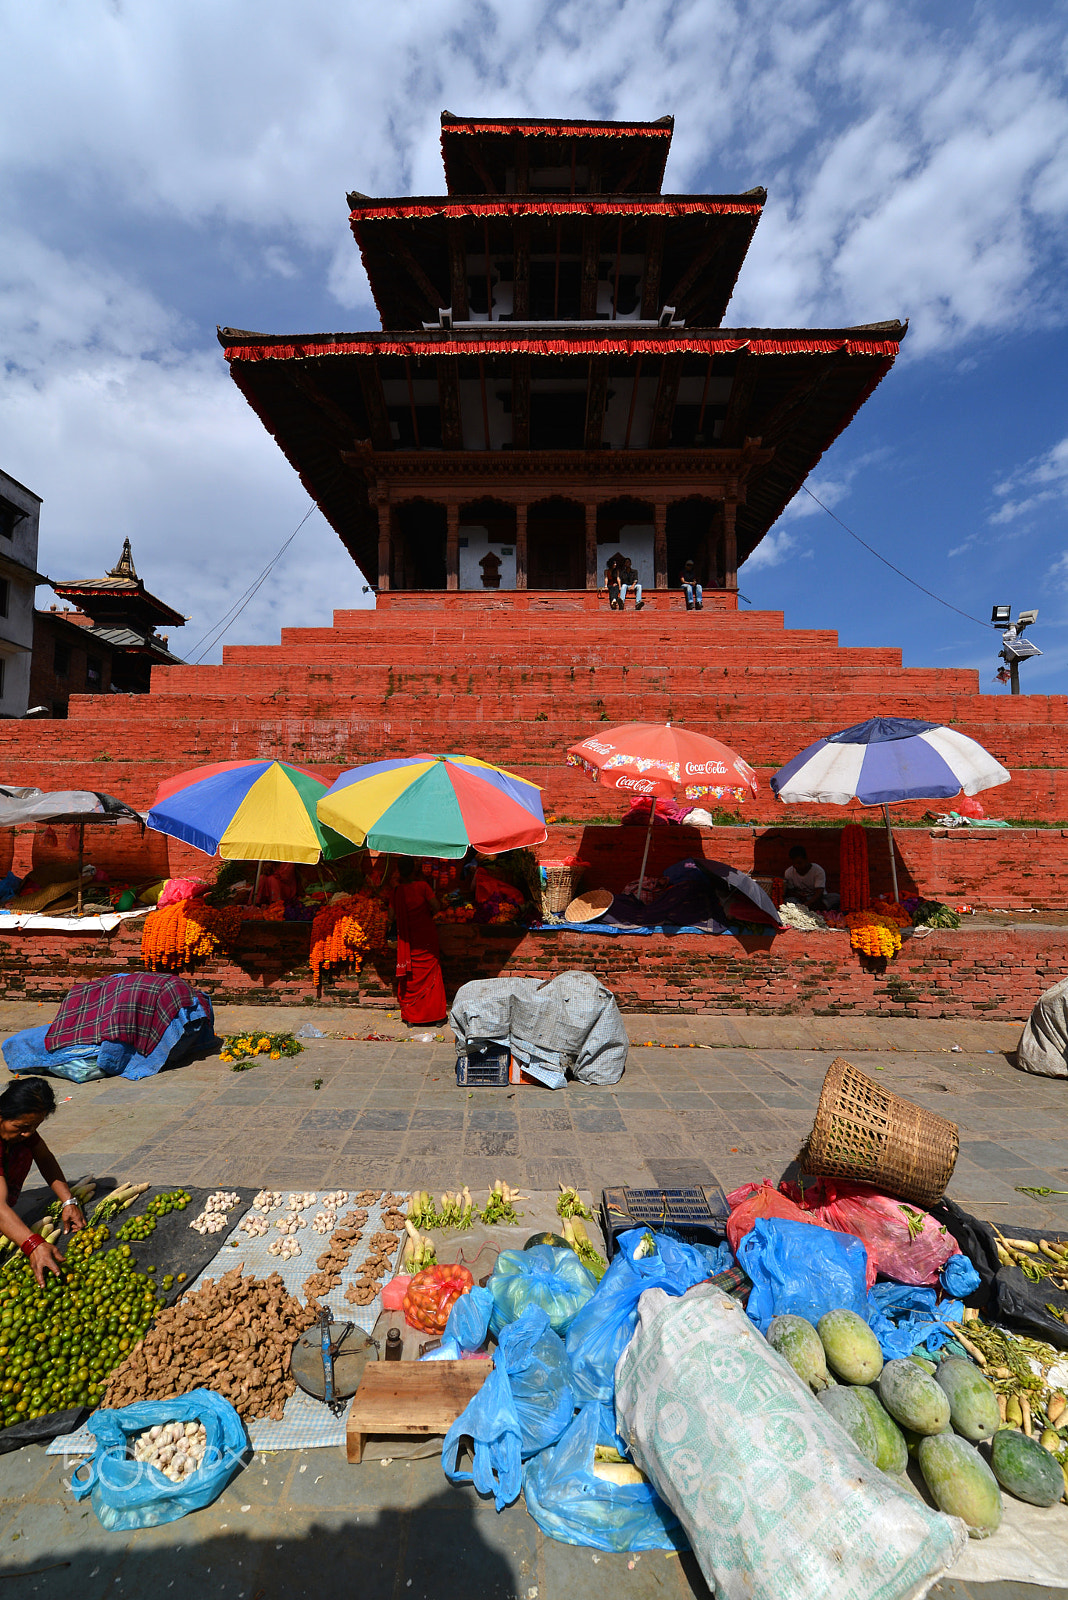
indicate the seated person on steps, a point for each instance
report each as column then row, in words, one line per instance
column 806, row 882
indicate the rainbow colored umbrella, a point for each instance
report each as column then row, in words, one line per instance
column 247, row 811
column 434, row 805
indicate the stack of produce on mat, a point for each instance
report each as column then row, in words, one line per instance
column 332, row 1261
column 48, row 1226
column 233, row 1335
column 213, row 1218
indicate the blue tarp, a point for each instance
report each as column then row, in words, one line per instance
column 191, row 1033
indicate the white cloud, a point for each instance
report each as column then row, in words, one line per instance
column 1038, row 482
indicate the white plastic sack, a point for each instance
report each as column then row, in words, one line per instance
column 776, row 1500
column 1043, row 1046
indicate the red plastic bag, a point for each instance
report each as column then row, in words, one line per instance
column 432, row 1293
column 393, row 1292
column 904, row 1241
column 755, row 1200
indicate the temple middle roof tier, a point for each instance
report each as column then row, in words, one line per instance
column 462, row 413
column 517, row 258
column 522, row 155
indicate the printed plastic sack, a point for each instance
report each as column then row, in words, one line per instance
column 776, row 1500
column 131, row 1494
column 469, row 1319
column 523, row 1406
column 596, row 1338
column 904, row 1241
column 553, row 1279
column 755, row 1200
column 803, row 1268
column 570, row 1504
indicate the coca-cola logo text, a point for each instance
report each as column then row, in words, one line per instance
column 640, row 785
column 696, row 769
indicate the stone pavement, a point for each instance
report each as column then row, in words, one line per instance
column 724, row 1099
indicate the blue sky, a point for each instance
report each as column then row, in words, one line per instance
column 164, row 169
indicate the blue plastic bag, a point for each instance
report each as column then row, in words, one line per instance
column 570, row 1504
column 131, row 1494
column 524, row 1405
column 469, row 1319
column 803, row 1269
column 905, row 1317
column 604, row 1327
column 958, row 1277
column 553, row 1279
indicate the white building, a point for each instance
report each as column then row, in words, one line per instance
column 20, row 511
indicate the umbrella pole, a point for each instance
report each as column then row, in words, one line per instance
column 648, row 837
column 893, row 862
column 81, row 861
column 256, row 885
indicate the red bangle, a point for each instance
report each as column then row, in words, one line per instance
column 32, row 1242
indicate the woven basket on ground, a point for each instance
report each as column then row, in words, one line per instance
column 865, row 1133
column 560, row 887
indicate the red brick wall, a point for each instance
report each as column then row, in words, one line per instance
column 964, row 973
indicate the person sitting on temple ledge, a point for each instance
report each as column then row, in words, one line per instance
column 806, row 882
column 611, row 581
column 628, row 579
column 691, row 588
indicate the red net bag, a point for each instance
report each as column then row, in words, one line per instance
column 432, row 1294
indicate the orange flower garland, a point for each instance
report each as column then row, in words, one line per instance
column 338, row 938
column 179, row 935
column 877, row 931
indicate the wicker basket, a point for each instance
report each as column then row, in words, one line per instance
column 560, row 887
column 865, row 1133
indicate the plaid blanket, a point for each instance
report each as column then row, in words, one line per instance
column 134, row 1008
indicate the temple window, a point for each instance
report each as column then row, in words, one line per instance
column 5, row 597
column 61, row 659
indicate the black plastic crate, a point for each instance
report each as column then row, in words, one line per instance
column 698, row 1215
column 487, row 1068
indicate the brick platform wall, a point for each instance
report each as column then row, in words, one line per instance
column 959, row 973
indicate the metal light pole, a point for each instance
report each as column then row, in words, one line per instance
column 1014, row 647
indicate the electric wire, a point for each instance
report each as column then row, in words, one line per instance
column 218, row 631
column 872, row 550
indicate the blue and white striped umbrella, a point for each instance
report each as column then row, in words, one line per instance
column 885, row 760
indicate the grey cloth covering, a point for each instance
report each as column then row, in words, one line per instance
column 1043, row 1046
column 569, row 1024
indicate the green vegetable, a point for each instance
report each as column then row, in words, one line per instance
column 853, row 1353
column 844, row 1404
column 569, row 1204
column 553, row 1239
column 961, row 1483
column 973, row 1405
column 798, row 1343
column 912, row 1398
column 892, row 1453
column 1027, row 1470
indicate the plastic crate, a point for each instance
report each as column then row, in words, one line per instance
column 698, row 1215
column 488, row 1068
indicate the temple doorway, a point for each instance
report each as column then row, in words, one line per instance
column 487, row 545
column 626, row 527
column 556, row 545
column 418, row 545
column 694, row 534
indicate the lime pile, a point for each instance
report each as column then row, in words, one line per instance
column 58, row 1344
column 140, row 1227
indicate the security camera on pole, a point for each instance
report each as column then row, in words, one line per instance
column 1014, row 647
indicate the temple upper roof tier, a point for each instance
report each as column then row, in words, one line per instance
column 468, row 412
column 520, row 155
column 520, row 258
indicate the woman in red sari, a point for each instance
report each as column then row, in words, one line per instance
column 24, row 1105
column 420, row 985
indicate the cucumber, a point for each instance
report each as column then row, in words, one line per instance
column 892, row 1453
column 973, row 1405
column 843, row 1403
column 1025, row 1469
column 852, row 1350
column 912, row 1398
column 798, row 1343
column 961, row 1483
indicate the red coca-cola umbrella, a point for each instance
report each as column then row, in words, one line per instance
column 663, row 761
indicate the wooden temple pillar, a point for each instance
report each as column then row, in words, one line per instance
column 452, row 545
column 591, row 544
column 730, row 545
column 521, row 545
column 660, row 511
column 385, row 519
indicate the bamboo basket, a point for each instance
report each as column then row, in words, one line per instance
column 865, row 1133
column 553, row 885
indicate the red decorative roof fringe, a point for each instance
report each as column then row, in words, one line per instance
column 523, row 206
column 566, row 130
column 649, row 345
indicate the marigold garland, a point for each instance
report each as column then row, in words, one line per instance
column 853, row 880
column 189, row 931
column 340, row 933
column 876, row 931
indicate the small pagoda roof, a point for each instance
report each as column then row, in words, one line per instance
column 494, row 154
column 321, row 395
column 119, row 594
column 413, row 249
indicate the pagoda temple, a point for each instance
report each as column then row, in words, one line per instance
column 552, row 382
column 120, row 615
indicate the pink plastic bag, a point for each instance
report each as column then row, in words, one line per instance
column 180, row 889
column 904, row 1241
column 755, row 1200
